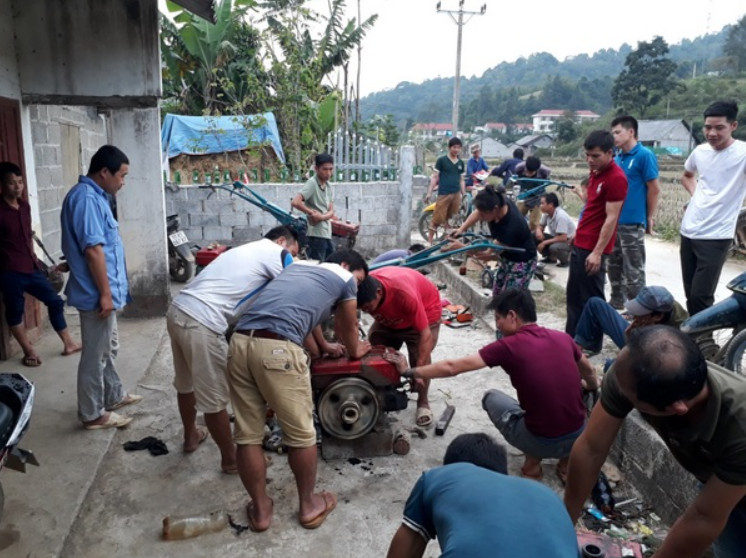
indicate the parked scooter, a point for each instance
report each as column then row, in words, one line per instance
column 16, row 402
column 720, row 330
column 739, row 238
column 180, row 256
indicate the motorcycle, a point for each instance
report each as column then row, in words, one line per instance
column 16, row 402
column 720, row 330
column 739, row 238
column 180, row 256
column 423, row 225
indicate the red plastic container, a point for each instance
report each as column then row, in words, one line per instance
column 205, row 255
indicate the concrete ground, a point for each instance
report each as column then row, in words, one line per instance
column 90, row 498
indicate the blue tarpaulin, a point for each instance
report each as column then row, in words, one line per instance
column 200, row 135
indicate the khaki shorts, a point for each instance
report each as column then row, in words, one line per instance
column 199, row 361
column 445, row 207
column 268, row 371
column 395, row 338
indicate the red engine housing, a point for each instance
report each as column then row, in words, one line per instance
column 345, row 229
column 205, row 255
column 372, row 367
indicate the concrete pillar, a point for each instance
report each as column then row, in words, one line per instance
column 141, row 209
column 406, row 168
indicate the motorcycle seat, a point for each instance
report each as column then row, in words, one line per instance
column 7, row 420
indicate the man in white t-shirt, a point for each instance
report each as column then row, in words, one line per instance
column 554, row 245
column 197, row 321
column 715, row 176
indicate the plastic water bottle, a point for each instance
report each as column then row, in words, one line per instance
column 176, row 528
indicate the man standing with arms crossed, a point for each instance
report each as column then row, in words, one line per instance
column 596, row 232
column 715, row 176
column 449, row 178
column 97, row 286
column 626, row 267
column 316, row 201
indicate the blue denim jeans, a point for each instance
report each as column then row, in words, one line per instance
column 732, row 541
column 319, row 248
column 599, row 317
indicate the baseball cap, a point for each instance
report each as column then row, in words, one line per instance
column 475, row 148
column 650, row 299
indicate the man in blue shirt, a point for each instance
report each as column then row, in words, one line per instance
column 474, row 165
column 475, row 509
column 97, row 286
column 626, row 266
column 506, row 170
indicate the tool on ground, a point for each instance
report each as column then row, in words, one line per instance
column 601, row 494
column 444, row 420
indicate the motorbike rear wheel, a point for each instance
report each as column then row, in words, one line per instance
column 735, row 354
column 182, row 271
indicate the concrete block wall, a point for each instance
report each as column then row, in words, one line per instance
column 46, row 137
column 207, row 216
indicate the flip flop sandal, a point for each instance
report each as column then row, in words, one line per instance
column 129, row 399
column 203, row 434
column 536, row 477
column 315, row 522
column 424, row 417
column 253, row 527
column 31, row 361
column 114, row 421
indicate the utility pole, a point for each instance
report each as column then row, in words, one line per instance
column 458, row 19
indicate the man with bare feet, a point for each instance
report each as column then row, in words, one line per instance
column 20, row 270
column 268, row 364
column 546, row 368
column 197, row 322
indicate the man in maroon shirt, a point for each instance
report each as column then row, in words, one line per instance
column 406, row 307
column 547, row 370
column 20, row 271
column 596, row 232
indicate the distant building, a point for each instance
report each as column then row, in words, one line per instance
column 671, row 136
column 503, row 128
column 431, row 130
column 531, row 143
column 491, row 148
column 544, row 120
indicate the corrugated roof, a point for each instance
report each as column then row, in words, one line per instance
column 649, row 130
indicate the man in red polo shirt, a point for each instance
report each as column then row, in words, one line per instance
column 596, row 232
column 406, row 307
column 20, row 271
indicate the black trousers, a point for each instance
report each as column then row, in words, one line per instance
column 701, row 264
column 581, row 286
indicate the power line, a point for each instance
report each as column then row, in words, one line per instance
column 458, row 19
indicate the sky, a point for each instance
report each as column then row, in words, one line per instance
column 411, row 41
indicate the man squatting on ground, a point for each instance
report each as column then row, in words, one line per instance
column 316, row 200
column 547, row 370
column 626, row 265
column 98, row 286
column 20, row 270
column 407, row 309
column 652, row 305
column 197, row 322
column 470, row 505
column 699, row 411
column 555, row 244
column 449, row 177
column 715, row 176
column 596, row 232
column 267, row 364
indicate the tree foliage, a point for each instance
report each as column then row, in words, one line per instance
column 647, row 77
column 274, row 63
column 735, row 43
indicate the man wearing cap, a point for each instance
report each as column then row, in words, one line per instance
column 652, row 305
column 474, row 165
